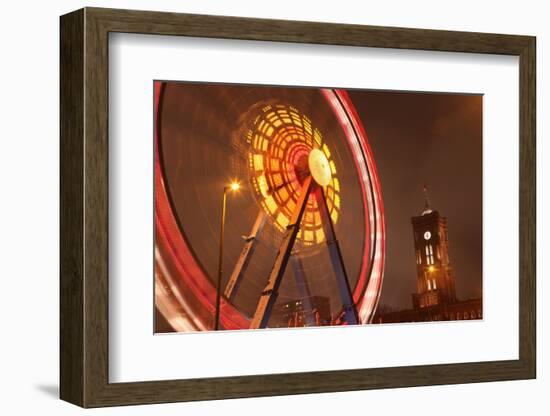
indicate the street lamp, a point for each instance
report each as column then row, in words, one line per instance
column 234, row 186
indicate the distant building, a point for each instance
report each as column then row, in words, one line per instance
column 312, row 311
column 435, row 298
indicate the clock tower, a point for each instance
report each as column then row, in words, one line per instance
column 435, row 283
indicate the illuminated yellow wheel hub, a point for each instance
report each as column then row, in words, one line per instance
column 319, row 167
column 284, row 148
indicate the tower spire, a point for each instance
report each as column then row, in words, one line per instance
column 427, row 206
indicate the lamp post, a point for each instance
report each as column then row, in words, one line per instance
column 233, row 187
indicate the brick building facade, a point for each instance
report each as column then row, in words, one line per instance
column 435, row 297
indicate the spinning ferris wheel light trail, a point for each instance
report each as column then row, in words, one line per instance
column 294, row 174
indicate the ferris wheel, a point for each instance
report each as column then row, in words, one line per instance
column 308, row 218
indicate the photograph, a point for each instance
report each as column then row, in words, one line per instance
column 293, row 207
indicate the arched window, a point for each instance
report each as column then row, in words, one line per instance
column 429, row 254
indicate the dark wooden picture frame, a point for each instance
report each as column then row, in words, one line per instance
column 84, row 207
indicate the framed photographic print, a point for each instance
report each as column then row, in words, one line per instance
column 258, row 207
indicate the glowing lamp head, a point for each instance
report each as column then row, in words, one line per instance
column 319, row 167
column 431, row 269
column 235, row 186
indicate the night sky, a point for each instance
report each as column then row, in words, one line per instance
column 416, row 138
column 436, row 140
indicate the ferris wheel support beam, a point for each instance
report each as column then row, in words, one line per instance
column 244, row 259
column 346, row 296
column 271, row 291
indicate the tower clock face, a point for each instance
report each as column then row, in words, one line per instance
column 427, row 235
